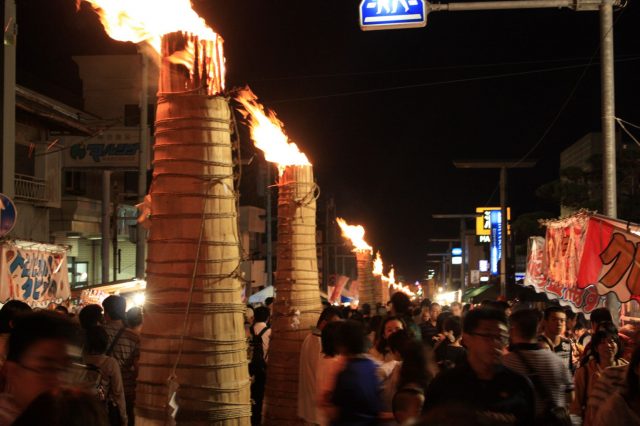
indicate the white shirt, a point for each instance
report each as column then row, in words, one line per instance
column 309, row 355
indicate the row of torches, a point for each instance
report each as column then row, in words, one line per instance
column 193, row 349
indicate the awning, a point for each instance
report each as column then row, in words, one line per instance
column 475, row 291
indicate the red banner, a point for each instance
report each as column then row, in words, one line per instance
column 563, row 249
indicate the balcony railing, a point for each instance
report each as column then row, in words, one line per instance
column 30, row 188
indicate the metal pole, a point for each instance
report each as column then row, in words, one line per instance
column 444, row 270
column 106, row 196
column 513, row 4
column 503, row 242
column 269, row 234
column 609, row 195
column 142, row 164
column 450, row 275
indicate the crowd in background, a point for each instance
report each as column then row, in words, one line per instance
column 490, row 364
column 58, row 368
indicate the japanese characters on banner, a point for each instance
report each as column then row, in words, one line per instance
column 583, row 300
column 611, row 260
column 33, row 275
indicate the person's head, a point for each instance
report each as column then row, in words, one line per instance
column 397, row 343
column 351, row 339
column 64, row 407
column 441, row 319
column 135, row 318
column 418, row 364
column 598, row 316
column 435, row 309
column 555, row 321
column 96, row 340
column 456, row 309
column 261, row 314
column 572, row 319
column 37, row 355
column 524, row 326
column 606, row 345
column 484, row 333
column 268, row 302
column 62, row 310
column 425, row 314
column 329, row 314
column 400, row 304
column 248, row 315
column 452, row 328
column 390, row 325
column 9, row 312
column 90, row 316
column 407, row 404
column 365, row 309
column 115, row 308
column 329, row 338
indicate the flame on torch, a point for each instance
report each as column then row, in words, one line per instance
column 268, row 133
column 148, row 21
column 378, row 266
column 354, row 233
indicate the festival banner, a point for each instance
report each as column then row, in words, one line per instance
column 611, row 261
column 33, row 275
column 583, row 300
column 564, row 244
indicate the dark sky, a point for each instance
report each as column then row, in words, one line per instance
column 382, row 114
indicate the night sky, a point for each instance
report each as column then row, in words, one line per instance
column 382, row 114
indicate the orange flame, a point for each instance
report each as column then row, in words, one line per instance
column 148, row 20
column 378, row 266
column 355, row 233
column 268, row 134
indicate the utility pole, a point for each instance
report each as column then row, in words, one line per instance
column 503, row 166
column 8, row 102
column 463, row 242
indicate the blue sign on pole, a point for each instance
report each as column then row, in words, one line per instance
column 496, row 240
column 391, row 14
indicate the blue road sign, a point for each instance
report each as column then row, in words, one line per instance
column 390, row 14
column 8, row 215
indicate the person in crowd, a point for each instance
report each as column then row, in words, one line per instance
column 588, row 352
column 597, row 317
column 570, row 333
column 389, row 373
column 449, row 351
column 425, row 316
column 63, row 407
column 134, row 319
column 551, row 377
column 607, row 352
column 310, row 353
column 329, row 365
column 36, row 358
column 466, row 308
column 8, row 314
column 389, row 325
column 428, row 330
column 261, row 337
column 91, row 316
column 552, row 337
column 356, row 397
column 268, row 302
column 418, row 366
column 407, row 405
column 124, row 346
column 110, row 379
column 482, row 383
column 401, row 308
column 622, row 408
column 62, row 310
column 456, row 309
column 365, row 311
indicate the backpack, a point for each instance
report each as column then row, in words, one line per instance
column 257, row 365
column 94, row 378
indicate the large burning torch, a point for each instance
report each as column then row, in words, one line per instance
column 363, row 251
column 193, row 348
column 297, row 302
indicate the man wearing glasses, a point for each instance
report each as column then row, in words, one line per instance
column 482, row 385
column 36, row 361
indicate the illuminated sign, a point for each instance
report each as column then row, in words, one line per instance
column 456, row 260
column 496, row 240
column 391, row 14
column 482, row 239
column 483, row 265
column 456, row 251
column 483, row 222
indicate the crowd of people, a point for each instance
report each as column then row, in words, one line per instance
column 58, row 368
column 491, row 364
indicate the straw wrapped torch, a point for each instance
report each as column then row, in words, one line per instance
column 363, row 251
column 297, row 301
column 193, row 363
